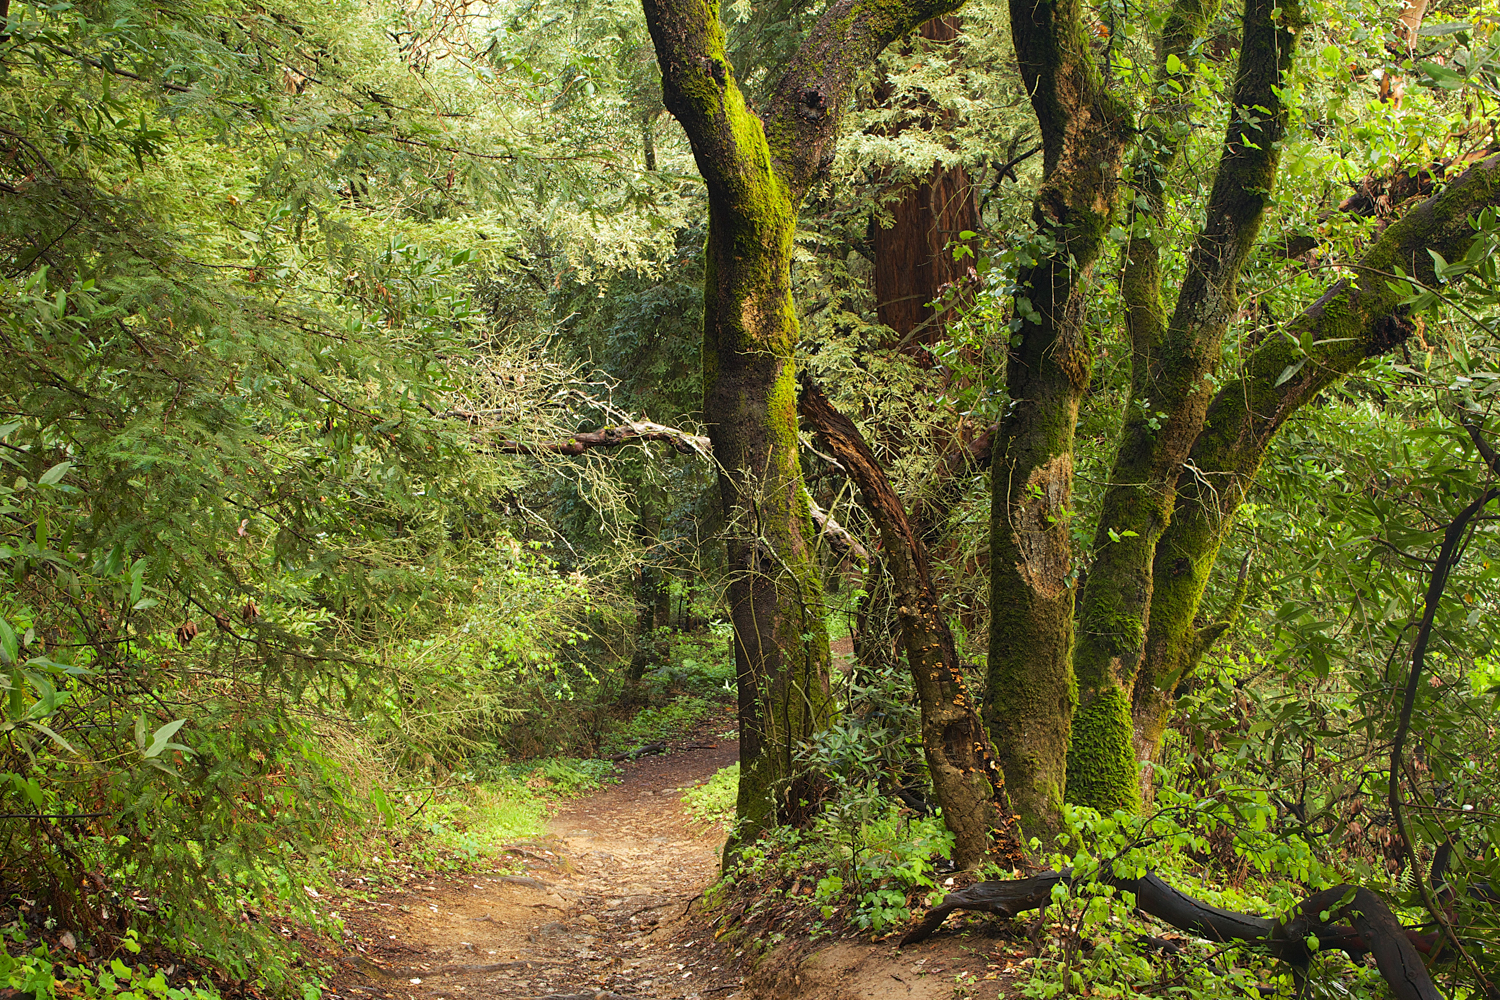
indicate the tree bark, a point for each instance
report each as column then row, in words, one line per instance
column 757, row 169
column 913, row 258
column 648, row 614
column 1352, row 321
column 965, row 774
column 1031, row 692
column 1169, row 394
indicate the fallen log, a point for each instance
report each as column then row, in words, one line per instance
column 1371, row 927
column 641, row 751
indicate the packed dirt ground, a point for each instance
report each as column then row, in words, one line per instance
column 609, row 905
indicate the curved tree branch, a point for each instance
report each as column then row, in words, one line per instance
column 1372, row 929
column 965, row 773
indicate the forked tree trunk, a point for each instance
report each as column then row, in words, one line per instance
column 1031, row 693
column 1347, row 325
column 757, row 170
column 1169, row 392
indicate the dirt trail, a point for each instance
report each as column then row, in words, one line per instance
column 605, row 911
column 599, row 909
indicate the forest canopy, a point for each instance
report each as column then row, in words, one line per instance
column 1066, row 432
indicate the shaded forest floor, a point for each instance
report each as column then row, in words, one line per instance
column 609, row 904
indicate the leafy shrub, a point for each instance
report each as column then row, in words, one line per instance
column 714, row 800
column 671, row 721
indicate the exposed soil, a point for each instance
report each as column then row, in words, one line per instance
column 607, row 907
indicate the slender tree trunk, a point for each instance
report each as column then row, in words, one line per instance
column 1031, row 693
column 647, row 576
column 757, row 168
column 1169, row 393
column 965, row 774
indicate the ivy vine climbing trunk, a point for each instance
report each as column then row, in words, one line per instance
column 757, row 169
column 1169, row 391
column 1031, row 693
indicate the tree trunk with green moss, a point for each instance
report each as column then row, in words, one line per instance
column 757, row 168
column 1169, row 391
column 1347, row 325
column 1185, row 456
column 1031, row 692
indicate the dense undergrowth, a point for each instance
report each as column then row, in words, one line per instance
column 410, row 792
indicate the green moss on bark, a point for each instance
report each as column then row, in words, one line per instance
column 1348, row 324
column 1101, row 756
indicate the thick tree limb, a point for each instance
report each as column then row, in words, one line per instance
column 808, row 104
column 800, row 125
column 1169, row 394
column 1084, row 130
column 1377, row 197
column 1374, row 929
column 1355, row 319
column 965, row 773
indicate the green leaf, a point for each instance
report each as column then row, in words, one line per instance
column 54, row 474
column 162, row 737
column 1174, row 64
column 1442, row 76
column 46, row 731
column 1289, row 371
column 10, row 647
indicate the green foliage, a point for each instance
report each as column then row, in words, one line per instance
column 1092, row 936
column 869, row 864
column 713, row 801
column 36, row 973
column 671, row 721
column 485, row 816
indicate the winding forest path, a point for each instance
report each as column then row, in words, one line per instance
column 605, row 910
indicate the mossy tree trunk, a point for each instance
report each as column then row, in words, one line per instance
column 1031, row 692
column 965, row 773
column 1351, row 322
column 1169, row 391
column 757, row 168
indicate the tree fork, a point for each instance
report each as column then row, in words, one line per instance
column 1031, row 694
column 1352, row 321
column 1169, row 393
column 757, row 170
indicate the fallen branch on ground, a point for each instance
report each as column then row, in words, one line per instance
column 1372, row 928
